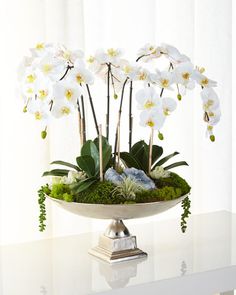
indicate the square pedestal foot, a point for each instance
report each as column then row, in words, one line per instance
column 117, row 249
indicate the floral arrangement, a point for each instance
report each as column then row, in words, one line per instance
column 56, row 81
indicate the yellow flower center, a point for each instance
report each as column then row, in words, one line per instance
column 166, row 111
column 127, row 69
column 208, row 104
column 211, row 114
column 31, row 78
column 38, row 115
column 142, row 76
column 66, row 55
column 91, row 59
column 165, row 83
column 42, row 94
column 30, row 90
column 111, row 52
column 149, row 104
column 69, row 94
column 65, row 110
column 204, row 82
column 186, row 76
column 39, row 46
column 79, row 78
column 150, row 123
column 209, row 128
column 47, row 68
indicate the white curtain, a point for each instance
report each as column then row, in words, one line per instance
column 200, row 28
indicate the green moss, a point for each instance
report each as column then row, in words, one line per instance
column 99, row 193
column 62, row 192
column 173, row 181
column 102, row 192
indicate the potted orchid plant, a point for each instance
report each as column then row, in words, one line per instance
column 56, row 82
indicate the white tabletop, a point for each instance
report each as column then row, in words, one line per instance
column 202, row 261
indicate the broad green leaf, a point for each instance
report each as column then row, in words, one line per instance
column 177, row 164
column 83, row 185
column 129, row 160
column 56, row 172
column 106, row 150
column 140, row 152
column 157, row 152
column 90, row 149
column 165, row 159
column 87, row 164
column 66, row 164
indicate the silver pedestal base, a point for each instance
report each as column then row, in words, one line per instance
column 117, row 245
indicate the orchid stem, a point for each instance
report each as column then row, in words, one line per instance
column 108, row 102
column 83, row 119
column 93, row 111
column 118, row 123
column 150, row 152
column 130, row 115
column 100, row 153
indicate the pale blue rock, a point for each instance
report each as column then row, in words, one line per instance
column 112, row 176
column 140, row 177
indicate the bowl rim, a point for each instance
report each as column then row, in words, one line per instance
column 135, row 204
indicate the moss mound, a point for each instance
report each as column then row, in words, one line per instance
column 102, row 192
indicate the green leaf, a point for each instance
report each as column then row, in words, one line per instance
column 66, row 164
column 82, row 185
column 129, row 160
column 165, row 159
column 157, row 152
column 106, row 151
column 177, row 164
column 90, row 149
column 56, row 172
column 87, row 164
column 140, row 152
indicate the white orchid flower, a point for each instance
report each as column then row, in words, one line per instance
column 183, row 73
column 69, row 55
column 65, row 90
column 80, row 75
column 25, row 66
column 168, row 105
column 153, row 119
column 43, row 89
column 94, row 65
column 173, row 54
column 213, row 117
column 148, row 99
column 210, row 99
column 52, row 67
column 163, row 79
column 143, row 75
column 62, row 108
column 40, row 110
column 41, row 49
column 110, row 55
column 203, row 80
column 130, row 70
column 149, row 51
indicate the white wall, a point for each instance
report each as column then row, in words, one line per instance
column 200, row 28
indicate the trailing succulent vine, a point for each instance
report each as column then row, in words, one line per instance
column 186, row 203
column 42, row 207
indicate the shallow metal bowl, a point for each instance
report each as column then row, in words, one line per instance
column 117, row 211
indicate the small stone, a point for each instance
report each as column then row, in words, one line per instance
column 140, row 177
column 112, row 176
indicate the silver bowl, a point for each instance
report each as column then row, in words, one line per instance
column 117, row 244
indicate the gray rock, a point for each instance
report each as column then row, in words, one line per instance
column 112, row 176
column 140, row 177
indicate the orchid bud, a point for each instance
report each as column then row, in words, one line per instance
column 25, row 109
column 212, row 138
column 115, row 96
column 44, row 134
column 179, row 96
column 160, row 136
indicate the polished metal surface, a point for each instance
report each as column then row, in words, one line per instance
column 118, row 211
column 117, row 229
column 117, row 245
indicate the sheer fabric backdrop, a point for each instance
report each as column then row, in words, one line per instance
column 201, row 29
